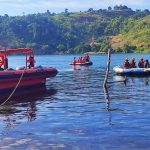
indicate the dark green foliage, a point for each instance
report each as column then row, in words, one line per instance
column 81, row 48
column 67, row 32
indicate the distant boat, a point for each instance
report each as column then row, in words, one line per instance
column 120, row 70
column 88, row 63
column 24, row 77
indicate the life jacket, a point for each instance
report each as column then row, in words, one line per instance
column 74, row 61
column 141, row 64
column 78, row 60
column 127, row 65
column 133, row 64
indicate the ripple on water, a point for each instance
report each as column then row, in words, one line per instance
column 75, row 112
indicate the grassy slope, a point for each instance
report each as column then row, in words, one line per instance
column 139, row 33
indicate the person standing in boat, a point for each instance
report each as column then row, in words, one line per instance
column 127, row 64
column 146, row 64
column 6, row 63
column 31, row 61
column 141, row 63
column 87, row 58
column 133, row 63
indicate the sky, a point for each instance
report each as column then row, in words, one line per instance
column 20, row 7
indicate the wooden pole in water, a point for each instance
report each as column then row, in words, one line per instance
column 107, row 69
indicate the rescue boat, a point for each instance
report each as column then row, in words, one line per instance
column 120, row 70
column 22, row 78
column 88, row 63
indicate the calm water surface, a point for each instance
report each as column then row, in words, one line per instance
column 75, row 113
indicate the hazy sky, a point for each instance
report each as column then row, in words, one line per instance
column 17, row 7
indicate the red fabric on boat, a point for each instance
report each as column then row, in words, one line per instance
column 10, row 51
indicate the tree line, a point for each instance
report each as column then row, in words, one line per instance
column 79, row 32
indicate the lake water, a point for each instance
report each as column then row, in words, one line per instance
column 75, row 113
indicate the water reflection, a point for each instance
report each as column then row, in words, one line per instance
column 107, row 99
column 30, row 94
column 120, row 79
column 77, row 116
column 128, row 80
column 146, row 80
column 107, row 107
column 79, row 67
column 24, row 105
column 124, row 88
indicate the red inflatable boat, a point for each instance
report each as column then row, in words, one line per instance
column 24, row 77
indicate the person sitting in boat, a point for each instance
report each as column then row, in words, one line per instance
column 79, row 60
column 126, row 63
column 74, row 61
column 133, row 63
column 31, row 61
column 146, row 64
column 141, row 63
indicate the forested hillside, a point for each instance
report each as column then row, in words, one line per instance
column 137, row 33
column 67, row 32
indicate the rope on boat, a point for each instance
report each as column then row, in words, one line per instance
column 14, row 88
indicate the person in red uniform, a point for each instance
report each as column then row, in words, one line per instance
column 31, row 61
column 141, row 63
column 74, row 61
column 133, row 63
column 79, row 60
column 126, row 63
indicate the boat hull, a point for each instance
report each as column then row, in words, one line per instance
column 83, row 64
column 26, row 78
column 132, row 71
